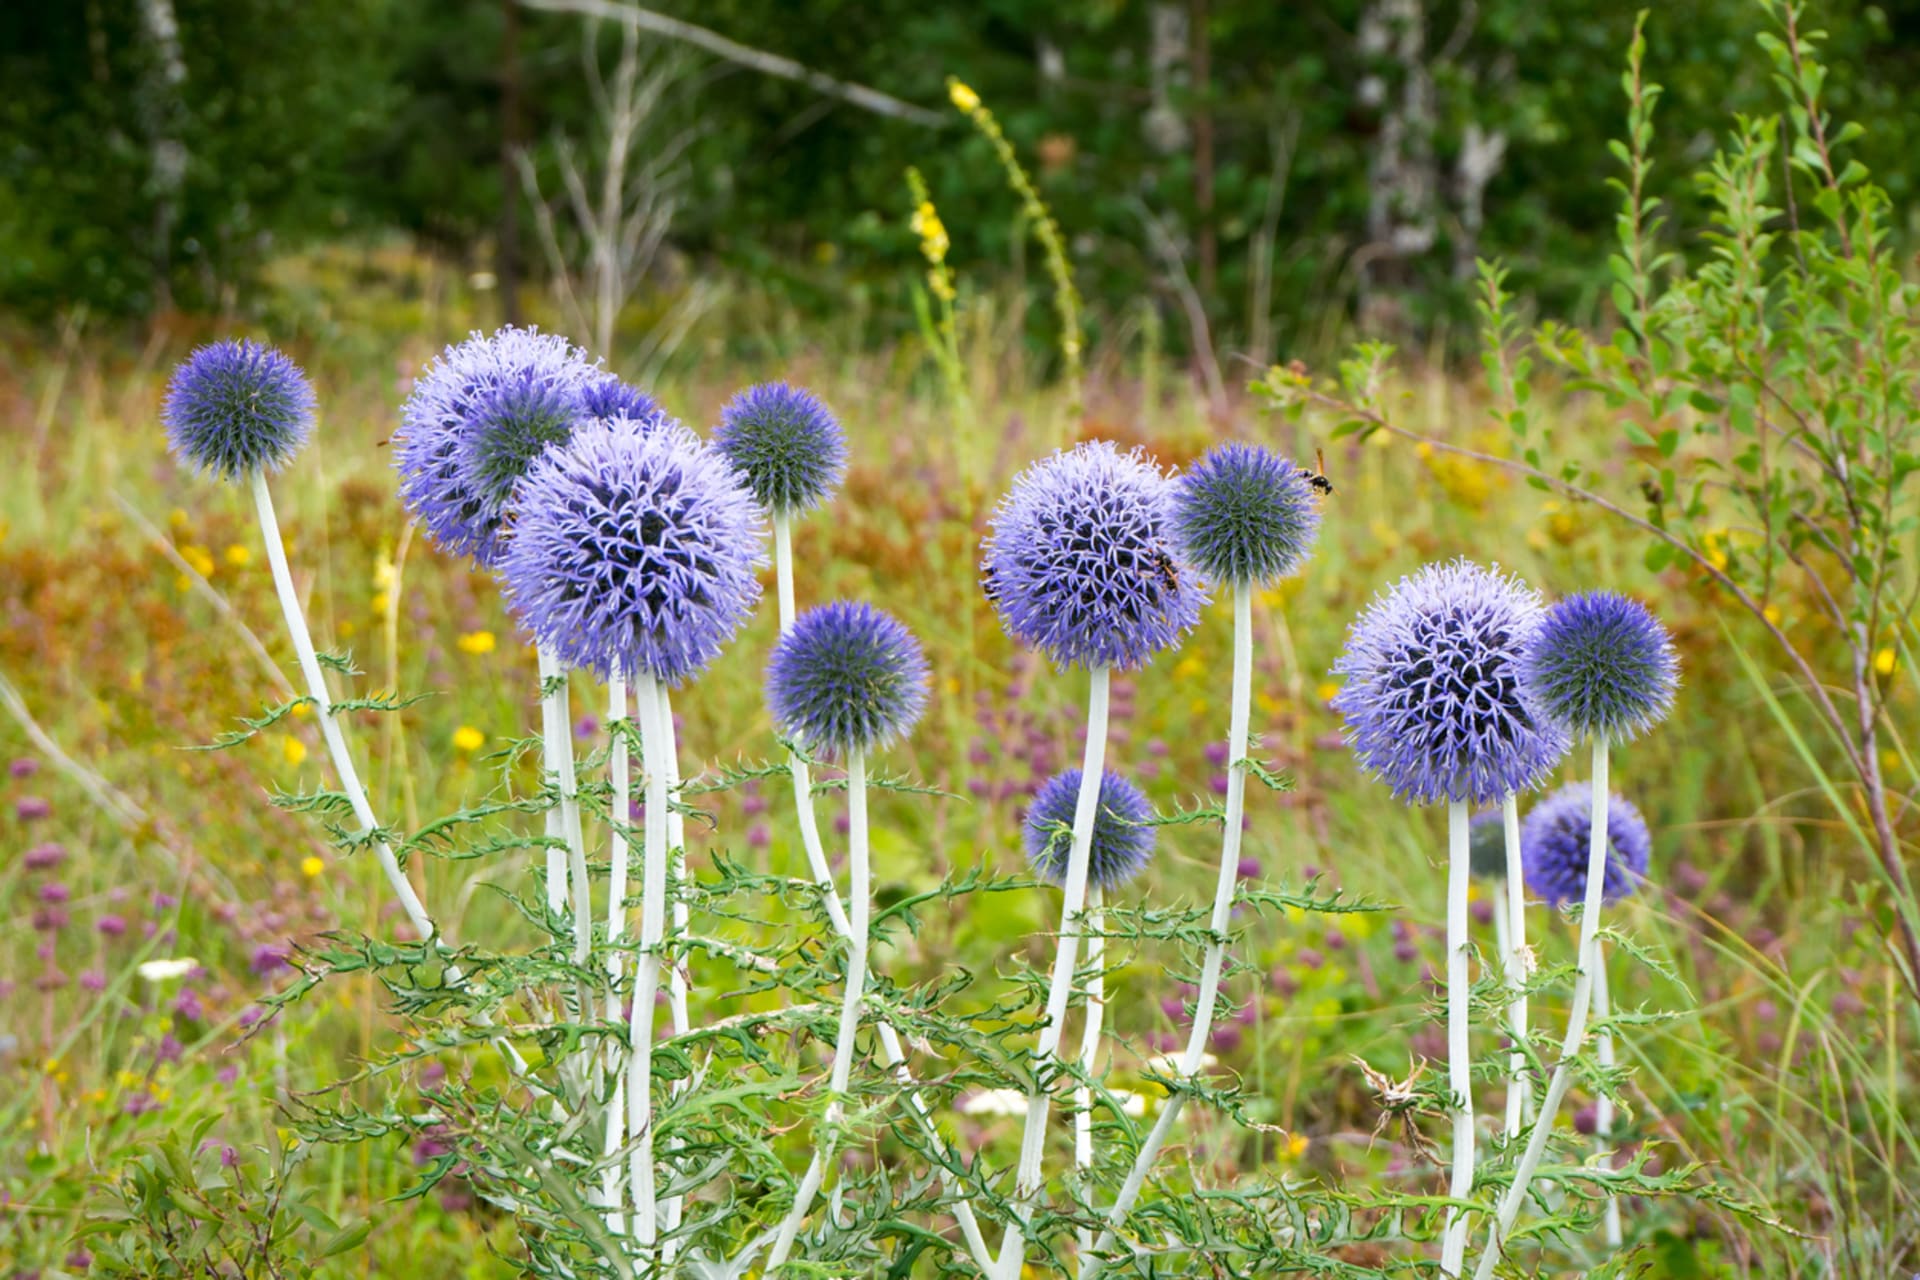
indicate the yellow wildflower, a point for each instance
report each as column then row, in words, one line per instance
column 476, row 642
column 1188, row 667
column 238, row 556
column 197, row 559
column 1772, row 614
column 1296, row 1145
column 467, row 738
column 311, row 866
column 1327, row 691
column 1885, row 661
column 293, row 749
column 177, row 518
column 382, row 603
column 964, row 98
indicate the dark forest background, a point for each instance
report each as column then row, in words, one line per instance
column 1279, row 163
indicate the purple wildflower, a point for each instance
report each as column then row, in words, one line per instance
column 1555, row 841
column 236, row 407
column 1600, row 664
column 1123, row 832
column 785, row 443
column 1245, row 515
column 848, row 677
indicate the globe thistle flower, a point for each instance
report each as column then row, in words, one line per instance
column 1556, row 839
column 1600, row 664
column 847, row 678
column 1079, row 561
column 787, row 444
column 237, row 407
column 478, row 416
column 608, row 396
column 1244, row 515
column 1487, row 846
column 1432, row 699
column 633, row 553
column 1123, row 832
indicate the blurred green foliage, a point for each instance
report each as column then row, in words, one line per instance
column 314, row 121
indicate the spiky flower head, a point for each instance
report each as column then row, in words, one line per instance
column 1556, row 839
column 787, row 444
column 607, row 396
column 1600, row 664
column 1487, row 846
column 478, row 417
column 1122, row 830
column 1079, row 560
column 1432, row 695
column 236, row 407
column 1244, row 515
column 633, row 552
column 848, row 677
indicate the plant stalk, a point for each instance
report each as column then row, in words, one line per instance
column 1514, row 955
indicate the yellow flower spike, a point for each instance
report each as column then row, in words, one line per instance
column 238, row 556
column 311, row 866
column 476, row 642
column 382, row 603
column 293, row 749
column 468, row 739
column 384, row 574
column 1885, row 661
column 963, row 97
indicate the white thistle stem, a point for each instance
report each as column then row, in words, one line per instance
column 619, row 772
column 859, row 895
column 335, row 737
column 677, row 976
column 1562, row 1078
column 653, row 893
column 783, row 568
column 1027, row 1178
column 1603, row 1105
column 1090, row 1050
column 1238, row 735
column 1453, row 1249
column 1512, row 914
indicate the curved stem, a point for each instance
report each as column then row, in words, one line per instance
column 653, row 893
column 1562, row 1078
column 1603, row 1105
column 330, row 730
column 1513, row 952
column 1453, row 1250
column 1027, row 1179
column 859, row 895
column 1090, row 1051
column 619, row 774
column 1238, row 733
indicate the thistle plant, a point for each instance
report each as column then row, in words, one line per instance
column 1599, row 666
column 1243, row 517
column 1494, row 856
column 848, row 679
column 1079, row 563
column 1432, row 706
column 1554, row 846
column 1121, row 848
column 237, row 410
column 635, row 553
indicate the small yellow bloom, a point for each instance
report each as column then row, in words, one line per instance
column 1884, row 661
column 1327, row 691
column 311, row 866
column 301, row 710
column 238, row 556
column 1188, row 667
column 177, row 518
column 964, row 98
column 1772, row 614
column 197, row 559
column 382, row 603
column 384, row 574
column 476, row 642
column 1297, row 1145
column 293, row 749
column 1889, row 761
column 467, row 738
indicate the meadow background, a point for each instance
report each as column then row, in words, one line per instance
column 1235, row 185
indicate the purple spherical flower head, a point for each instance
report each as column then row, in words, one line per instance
column 1487, row 846
column 1122, row 830
column 237, row 407
column 608, row 396
column 847, row 678
column 477, row 418
column 1432, row 700
column 633, row 552
column 1556, row 839
column 787, row 444
column 1079, row 560
column 1600, row 664
column 1244, row 515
